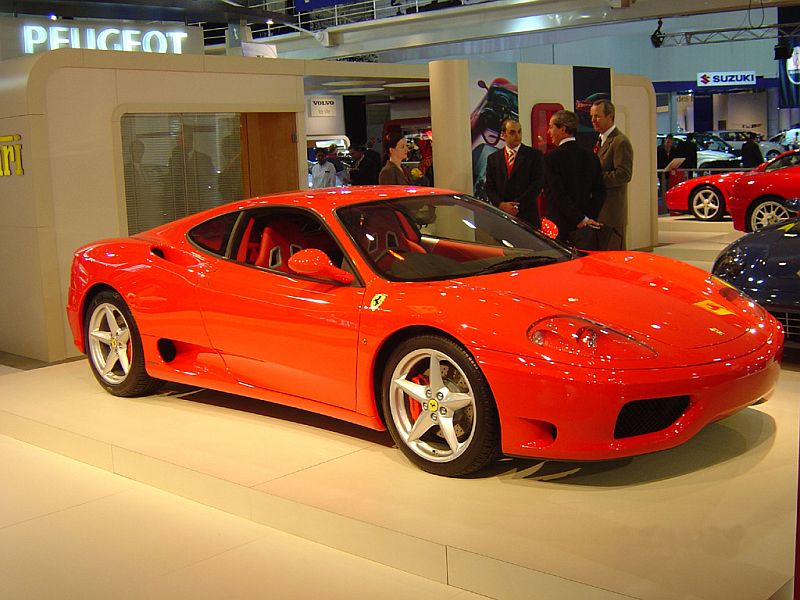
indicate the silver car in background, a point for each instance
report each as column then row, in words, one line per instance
column 737, row 137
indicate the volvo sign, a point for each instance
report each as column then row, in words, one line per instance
column 726, row 78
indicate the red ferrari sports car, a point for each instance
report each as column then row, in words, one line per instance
column 756, row 202
column 430, row 313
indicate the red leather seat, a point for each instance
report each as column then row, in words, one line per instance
column 384, row 229
column 280, row 239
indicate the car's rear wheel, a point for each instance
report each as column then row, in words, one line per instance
column 114, row 347
column 439, row 408
column 706, row 203
column 766, row 211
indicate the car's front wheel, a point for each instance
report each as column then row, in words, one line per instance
column 707, row 204
column 767, row 211
column 114, row 347
column 439, row 408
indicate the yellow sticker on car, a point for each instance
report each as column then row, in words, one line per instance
column 376, row 301
column 713, row 307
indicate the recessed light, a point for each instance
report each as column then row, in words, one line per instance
column 407, row 84
column 362, row 90
column 353, row 83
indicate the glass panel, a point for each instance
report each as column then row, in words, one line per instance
column 179, row 164
column 213, row 235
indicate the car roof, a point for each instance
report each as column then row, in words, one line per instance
column 329, row 198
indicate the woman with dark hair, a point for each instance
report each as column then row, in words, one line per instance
column 396, row 150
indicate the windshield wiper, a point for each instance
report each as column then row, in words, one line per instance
column 517, row 262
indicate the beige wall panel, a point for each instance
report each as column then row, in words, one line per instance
column 635, row 103
column 142, row 60
column 199, row 92
column 241, row 64
column 542, row 83
column 16, row 191
column 450, row 111
column 14, row 86
column 82, row 167
column 22, row 314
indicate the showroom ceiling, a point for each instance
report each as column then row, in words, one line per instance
column 419, row 26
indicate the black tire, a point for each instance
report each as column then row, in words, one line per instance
column 706, row 203
column 458, row 410
column 114, row 347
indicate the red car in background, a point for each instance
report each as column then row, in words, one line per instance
column 753, row 198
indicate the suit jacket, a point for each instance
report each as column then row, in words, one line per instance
column 523, row 185
column 392, row 175
column 573, row 186
column 616, row 162
column 366, row 173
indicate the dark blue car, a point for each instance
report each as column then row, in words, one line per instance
column 766, row 266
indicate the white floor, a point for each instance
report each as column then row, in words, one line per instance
column 712, row 519
column 69, row 530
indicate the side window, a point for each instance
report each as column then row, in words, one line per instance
column 213, row 235
column 270, row 237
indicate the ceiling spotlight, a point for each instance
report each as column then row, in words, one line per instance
column 657, row 37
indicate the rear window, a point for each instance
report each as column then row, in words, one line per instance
column 213, row 235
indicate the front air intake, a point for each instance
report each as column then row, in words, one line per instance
column 647, row 416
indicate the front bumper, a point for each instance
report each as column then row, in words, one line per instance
column 563, row 412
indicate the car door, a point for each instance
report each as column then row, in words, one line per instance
column 278, row 330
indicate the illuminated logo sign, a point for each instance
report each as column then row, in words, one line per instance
column 793, row 66
column 10, row 155
column 322, row 106
column 726, row 78
column 36, row 38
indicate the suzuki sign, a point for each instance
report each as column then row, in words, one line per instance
column 726, row 78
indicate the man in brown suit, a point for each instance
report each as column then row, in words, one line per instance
column 616, row 160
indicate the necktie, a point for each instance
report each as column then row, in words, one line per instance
column 510, row 156
column 597, row 145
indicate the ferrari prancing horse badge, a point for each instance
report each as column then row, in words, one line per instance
column 376, row 301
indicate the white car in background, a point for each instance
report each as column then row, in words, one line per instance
column 706, row 158
column 790, row 138
column 737, row 137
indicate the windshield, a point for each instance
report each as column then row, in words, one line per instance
column 788, row 160
column 443, row 237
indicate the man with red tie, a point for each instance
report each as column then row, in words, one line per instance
column 514, row 175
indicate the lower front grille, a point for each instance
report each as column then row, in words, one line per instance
column 646, row 416
column 791, row 324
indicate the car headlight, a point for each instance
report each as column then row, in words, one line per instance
column 730, row 264
column 580, row 336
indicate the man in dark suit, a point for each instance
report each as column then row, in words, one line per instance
column 366, row 167
column 573, row 182
column 514, row 175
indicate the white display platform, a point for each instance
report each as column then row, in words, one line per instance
column 712, row 519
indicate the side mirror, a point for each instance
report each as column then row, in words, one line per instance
column 315, row 263
column 793, row 204
column 482, row 84
column 549, row 228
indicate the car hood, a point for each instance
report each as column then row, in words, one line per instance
column 772, row 258
column 654, row 299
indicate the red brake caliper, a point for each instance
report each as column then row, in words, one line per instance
column 415, row 408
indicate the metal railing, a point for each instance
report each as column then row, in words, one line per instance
column 324, row 18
